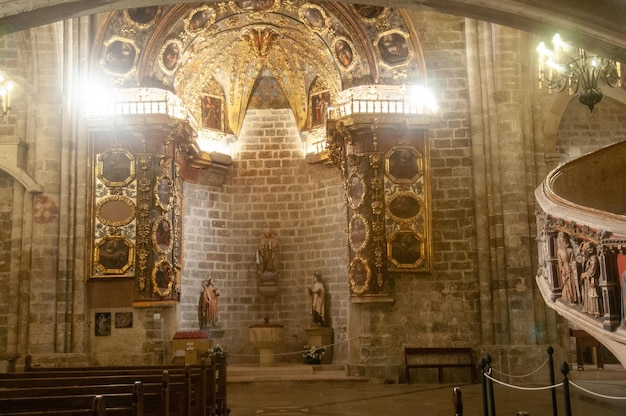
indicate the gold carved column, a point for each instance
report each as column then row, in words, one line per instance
column 384, row 160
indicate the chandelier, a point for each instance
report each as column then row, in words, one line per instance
column 6, row 87
column 565, row 67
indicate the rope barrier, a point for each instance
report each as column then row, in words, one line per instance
column 596, row 394
column 550, row 387
column 297, row 352
column 521, row 387
column 524, row 375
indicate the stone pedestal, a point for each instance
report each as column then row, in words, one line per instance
column 320, row 337
column 266, row 338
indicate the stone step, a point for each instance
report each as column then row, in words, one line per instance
column 287, row 372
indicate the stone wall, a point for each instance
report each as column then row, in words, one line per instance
column 269, row 182
column 440, row 308
column 582, row 131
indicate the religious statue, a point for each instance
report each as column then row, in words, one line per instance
column 208, row 309
column 317, row 292
column 568, row 271
column 266, row 257
column 590, row 278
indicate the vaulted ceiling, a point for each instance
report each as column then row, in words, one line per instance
column 593, row 24
column 256, row 54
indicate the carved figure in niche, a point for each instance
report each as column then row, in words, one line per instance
column 590, row 278
column 267, row 253
column 120, row 57
column 568, row 271
column 113, row 254
column 344, row 53
column 171, row 55
column 317, row 293
column 393, row 48
column 208, row 312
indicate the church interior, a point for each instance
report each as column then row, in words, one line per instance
column 272, row 174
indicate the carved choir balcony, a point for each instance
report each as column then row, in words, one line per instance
column 581, row 232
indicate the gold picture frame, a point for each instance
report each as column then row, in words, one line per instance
column 114, row 255
column 404, row 164
column 162, row 235
column 199, row 19
column 116, row 210
column 120, row 56
column 360, row 276
column 358, row 233
column 356, row 190
column 116, row 167
column 393, row 48
column 164, row 192
column 404, row 207
column 406, row 249
column 162, row 278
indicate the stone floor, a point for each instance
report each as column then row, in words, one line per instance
column 299, row 390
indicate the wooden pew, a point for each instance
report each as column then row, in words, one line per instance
column 188, row 385
column 126, row 401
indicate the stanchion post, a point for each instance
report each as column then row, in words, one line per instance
column 568, row 406
column 483, row 382
column 457, row 401
column 492, row 399
column 555, row 411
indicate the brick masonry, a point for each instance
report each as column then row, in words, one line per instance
column 269, row 182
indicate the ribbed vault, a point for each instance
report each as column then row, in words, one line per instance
column 221, row 51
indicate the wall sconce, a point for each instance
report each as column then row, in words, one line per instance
column 559, row 70
column 6, row 88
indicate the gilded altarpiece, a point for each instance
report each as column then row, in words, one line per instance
column 135, row 219
column 387, row 190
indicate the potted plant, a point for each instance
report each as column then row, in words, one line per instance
column 217, row 353
column 313, row 354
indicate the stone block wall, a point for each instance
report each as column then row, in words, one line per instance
column 270, row 182
column 582, row 131
column 440, row 308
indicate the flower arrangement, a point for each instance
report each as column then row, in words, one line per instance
column 313, row 353
column 217, row 353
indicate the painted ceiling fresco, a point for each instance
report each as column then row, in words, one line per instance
column 224, row 58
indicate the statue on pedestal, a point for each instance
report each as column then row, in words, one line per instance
column 267, row 262
column 317, row 293
column 208, row 312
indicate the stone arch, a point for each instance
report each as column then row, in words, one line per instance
column 22, row 177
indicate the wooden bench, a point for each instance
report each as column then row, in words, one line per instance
column 124, row 401
column 188, row 390
column 439, row 358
